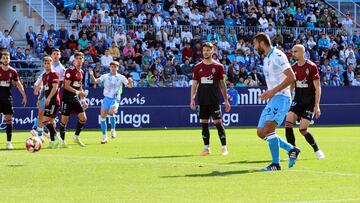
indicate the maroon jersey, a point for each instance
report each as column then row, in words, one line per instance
column 75, row 77
column 209, row 77
column 49, row 79
column 6, row 79
column 304, row 85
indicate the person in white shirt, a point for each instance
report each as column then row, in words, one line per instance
column 106, row 59
column 347, row 22
column 120, row 38
column 87, row 19
column 101, row 34
column 141, row 17
column 102, row 11
column 263, row 22
column 270, row 31
column 186, row 33
column 157, row 21
column 163, row 35
column 106, row 20
column 357, row 81
column 224, row 45
column 113, row 83
column 312, row 16
column 6, row 39
column 311, row 43
column 279, row 76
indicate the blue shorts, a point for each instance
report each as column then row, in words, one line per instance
column 275, row 110
column 42, row 103
column 109, row 103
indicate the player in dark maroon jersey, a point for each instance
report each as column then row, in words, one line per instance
column 73, row 99
column 208, row 81
column 306, row 102
column 50, row 91
column 8, row 76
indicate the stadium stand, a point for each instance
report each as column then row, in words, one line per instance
column 157, row 43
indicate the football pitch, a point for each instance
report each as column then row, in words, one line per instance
column 165, row 166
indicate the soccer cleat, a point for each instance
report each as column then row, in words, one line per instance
column 272, row 167
column 64, row 145
column 9, row 146
column 205, row 152
column 293, row 156
column 224, row 151
column 104, row 140
column 33, row 132
column 320, row 154
column 78, row 141
column 113, row 134
column 52, row 145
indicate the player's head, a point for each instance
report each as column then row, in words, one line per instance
column 47, row 61
column 79, row 59
column 5, row 58
column 261, row 41
column 114, row 66
column 208, row 50
column 56, row 55
column 298, row 52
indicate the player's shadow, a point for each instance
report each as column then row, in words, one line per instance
column 162, row 157
column 250, row 162
column 215, row 174
column 15, row 149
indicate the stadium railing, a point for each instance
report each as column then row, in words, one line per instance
column 28, row 70
column 111, row 29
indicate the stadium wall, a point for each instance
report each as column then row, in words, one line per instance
column 169, row 107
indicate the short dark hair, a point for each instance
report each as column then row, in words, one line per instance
column 208, row 44
column 262, row 37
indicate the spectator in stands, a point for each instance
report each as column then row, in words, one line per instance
column 349, row 76
column 233, row 95
column 30, row 37
column 335, row 81
column 39, row 46
column 62, row 34
column 187, row 52
column 347, row 22
column 114, row 51
column 83, row 41
column 6, row 39
column 357, row 81
column 270, row 31
column 48, row 48
column 19, row 56
column 43, row 32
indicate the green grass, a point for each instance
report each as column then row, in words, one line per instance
column 164, row 166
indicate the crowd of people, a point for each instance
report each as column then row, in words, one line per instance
column 158, row 43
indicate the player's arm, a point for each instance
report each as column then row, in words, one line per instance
column 317, row 86
column 54, row 88
column 194, row 88
column 91, row 73
column 224, row 94
column 38, row 85
column 22, row 92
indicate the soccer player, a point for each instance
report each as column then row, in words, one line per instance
column 113, row 83
column 307, row 99
column 209, row 77
column 73, row 99
column 50, row 91
column 9, row 76
column 57, row 66
column 279, row 76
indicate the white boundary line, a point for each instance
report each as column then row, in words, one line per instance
column 325, row 201
column 154, row 160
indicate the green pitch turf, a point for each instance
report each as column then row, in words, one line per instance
column 164, row 166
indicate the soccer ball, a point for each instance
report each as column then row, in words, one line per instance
column 33, row 144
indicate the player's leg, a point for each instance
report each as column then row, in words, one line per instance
column 9, row 130
column 216, row 115
column 79, row 126
column 304, row 125
column 204, row 114
column 103, row 124
column 291, row 118
column 112, row 111
column 47, row 121
column 65, row 112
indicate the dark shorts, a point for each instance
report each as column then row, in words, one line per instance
column 6, row 108
column 71, row 107
column 305, row 111
column 205, row 111
column 51, row 110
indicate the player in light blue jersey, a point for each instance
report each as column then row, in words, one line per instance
column 113, row 83
column 279, row 76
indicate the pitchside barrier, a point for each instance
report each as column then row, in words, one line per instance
column 169, row 107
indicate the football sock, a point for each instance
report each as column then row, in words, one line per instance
column 35, row 126
column 103, row 126
column 9, row 129
column 40, row 131
column 284, row 145
column 289, row 132
column 112, row 122
column 62, row 131
column 79, row 127
column 310, row 139
column 52, row 131
column 273, row 141
column 221, row 133
column 205, row 133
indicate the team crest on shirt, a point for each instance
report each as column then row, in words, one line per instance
column 67, row 75
column 200, row 70
column 213, row 70
column 10, row 75
column 307, row 71
column 0, row 74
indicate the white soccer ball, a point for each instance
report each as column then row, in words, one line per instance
column 33, row 144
